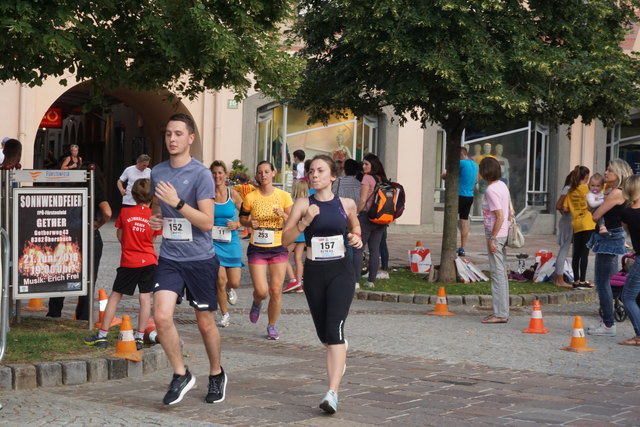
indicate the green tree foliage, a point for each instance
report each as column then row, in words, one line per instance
column 184, row 46
column 454, row 62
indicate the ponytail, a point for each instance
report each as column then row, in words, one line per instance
column 577, row 175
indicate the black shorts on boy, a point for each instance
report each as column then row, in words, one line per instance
column 127, row 279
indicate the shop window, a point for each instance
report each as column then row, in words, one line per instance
column 341, row 138
column 523, row 155
column 623, row 142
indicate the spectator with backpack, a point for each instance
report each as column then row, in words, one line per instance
column 372, row 232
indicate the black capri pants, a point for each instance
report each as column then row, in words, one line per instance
column 329, row 289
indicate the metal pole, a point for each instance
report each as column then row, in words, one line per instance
column 4, row 304
column 92, row 267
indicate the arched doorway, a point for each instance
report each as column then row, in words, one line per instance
column 112, row 135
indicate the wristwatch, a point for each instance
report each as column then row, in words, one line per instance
column 180, row 205
column 492, row 238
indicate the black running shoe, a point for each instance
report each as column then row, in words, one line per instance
column 96, row 341
column 217, row 387
column 180, row 385
column 139, row 343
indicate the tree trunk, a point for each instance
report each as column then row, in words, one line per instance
column 454, row 128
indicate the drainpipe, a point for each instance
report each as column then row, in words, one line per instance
column 22, row 114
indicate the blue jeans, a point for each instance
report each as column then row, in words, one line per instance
column 606, row 266
column 629, row 296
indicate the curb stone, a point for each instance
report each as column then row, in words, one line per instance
column 26, row 376
column 524, row 300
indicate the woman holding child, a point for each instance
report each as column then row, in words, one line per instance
column 607, row 246
column 225, row 240
column 631, row 223
column 582, row 222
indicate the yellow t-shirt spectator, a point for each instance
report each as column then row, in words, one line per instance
column 576, row 201
column 261, row 209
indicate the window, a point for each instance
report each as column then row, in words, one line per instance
column 523, row 153
column 341, row 138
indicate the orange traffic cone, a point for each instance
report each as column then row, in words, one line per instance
column 442, row 309
column 150, row 332
column 126, row 346
column 578, row 340
column 35, row 304
column 102, row 296
column 536, row 324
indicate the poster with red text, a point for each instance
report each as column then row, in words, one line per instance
column 49, row 242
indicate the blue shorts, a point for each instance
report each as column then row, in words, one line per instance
column 199, row 278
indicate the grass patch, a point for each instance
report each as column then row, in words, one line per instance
column 37, row 339
column 404, row 281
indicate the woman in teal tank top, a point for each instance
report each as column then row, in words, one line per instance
column 226, row 242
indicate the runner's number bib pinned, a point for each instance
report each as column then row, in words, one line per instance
column 221, row 234
column 177, row 229
column 327, row 248
column 262, row 236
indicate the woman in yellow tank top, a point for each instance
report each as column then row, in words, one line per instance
column 265, row 211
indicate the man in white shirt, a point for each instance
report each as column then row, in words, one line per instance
column 138, row 171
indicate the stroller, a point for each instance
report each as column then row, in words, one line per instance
column 617, row 284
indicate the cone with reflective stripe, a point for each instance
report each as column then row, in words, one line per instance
column 578, row 339
column 35, row 304
column 150, row 332
column 102, row 297
column 536, row 324
column 126, row 346
column 442, row 309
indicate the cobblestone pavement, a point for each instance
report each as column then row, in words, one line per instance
column 403, row 368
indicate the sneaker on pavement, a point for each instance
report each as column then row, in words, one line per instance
column 254, row 314
column 461, row 252
column 139, row 343
column 329, row 403
column 603, row 330
column 369, row 284
column 382, row 275
column 292, row 285
column 300, row 290
column 232, row 296
column 272, row 333
column 96, row 341
column 224, row 320
column 180, row 385
column 217, row 387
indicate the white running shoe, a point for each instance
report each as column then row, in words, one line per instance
column 232, row 296
column 382, row 275
column 224, row 320
column 329, row 403
column 603, row 330
column 369, row 284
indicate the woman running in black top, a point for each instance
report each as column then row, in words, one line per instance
column 329, row 223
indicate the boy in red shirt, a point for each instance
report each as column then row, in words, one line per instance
column 137, row 263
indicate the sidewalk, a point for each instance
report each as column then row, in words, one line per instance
column 403, row 368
